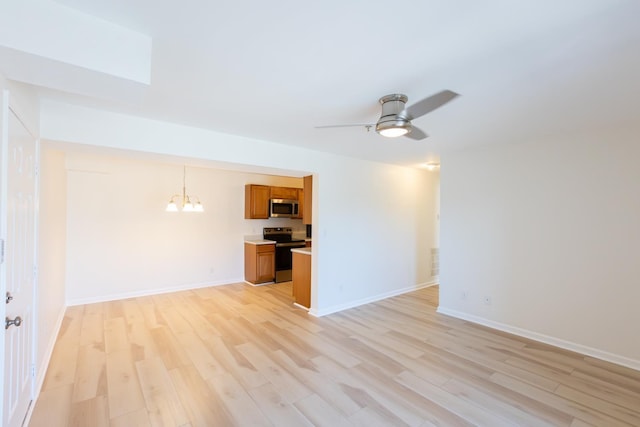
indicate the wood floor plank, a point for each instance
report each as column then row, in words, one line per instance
column 123, row 384
column 320, row 413
column 235, row 363
column 199, row 401
column 238, row 355
column 484, row 399
column 575, row 409
column 115, row 334
column 241, row 408
column 62, row 366
column 631, row 416
column 170, row 349
column 162, row 401
column 141, row 341
column 464, row 409
column 329, row 390
column 139, row 418
column 91, row 412
column 274, row 407
column 53, row 408
column 92, row 331
column 205, row 362
column 285, row 383
column 90, row 379
column 71, row 326
column 412, row 408
column 132, row 310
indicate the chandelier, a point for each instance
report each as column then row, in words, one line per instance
column 187, row 204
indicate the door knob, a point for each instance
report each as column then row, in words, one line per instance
column 9, row 298
column 8, row 322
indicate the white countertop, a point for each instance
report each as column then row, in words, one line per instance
column 304, row 251
column 260, row 242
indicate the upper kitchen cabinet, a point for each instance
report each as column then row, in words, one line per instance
column 305, row 205
column 256, row 201
column 300, row 204
column 284, row 193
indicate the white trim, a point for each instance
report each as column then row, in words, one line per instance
column 148, row 292
column 336, row 308
column 557, row 342
column 255, row 285
column 301, row 306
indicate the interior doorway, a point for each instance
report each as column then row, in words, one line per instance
column 18, row 195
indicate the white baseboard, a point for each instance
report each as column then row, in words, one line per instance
column 255, row 285
column 547, row 339
column 300, row 306
column 336, row 308
column 147, row 292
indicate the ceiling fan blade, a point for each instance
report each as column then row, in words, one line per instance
column 417, row 134
column 343, row 126
column 428, row 104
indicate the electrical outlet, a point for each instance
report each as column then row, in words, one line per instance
column 487, row 300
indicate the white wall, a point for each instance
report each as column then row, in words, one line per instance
column 549, row 231
column 51, row 251
column 367, row 242
column 122, row 243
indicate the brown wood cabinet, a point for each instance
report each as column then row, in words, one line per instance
column 308, row 192
column 284, row 193
column 256, row 201
column 301, row 278
column 300, row 199
column 259, row 263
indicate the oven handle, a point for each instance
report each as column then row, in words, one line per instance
column 290, row 245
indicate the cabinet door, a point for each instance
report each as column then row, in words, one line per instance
column 300, row 204
column 284, row 193
column 301, row 278
column 266, row 266
column 256, row 201
column 308, row 191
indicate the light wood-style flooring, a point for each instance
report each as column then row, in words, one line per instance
column 238, row 355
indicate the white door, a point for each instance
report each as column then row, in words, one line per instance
column 17, row 210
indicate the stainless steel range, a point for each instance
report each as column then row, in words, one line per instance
column 283, row 236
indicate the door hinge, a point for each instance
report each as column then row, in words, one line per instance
column 1, row 251
column 33, row 371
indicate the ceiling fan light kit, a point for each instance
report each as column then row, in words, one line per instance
column 395, row 119
column 393, row 128
column 391, row 123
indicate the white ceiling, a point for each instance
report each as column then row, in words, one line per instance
column 274, row 70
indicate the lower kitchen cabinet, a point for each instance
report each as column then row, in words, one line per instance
column 259, row 263
column 301, row 277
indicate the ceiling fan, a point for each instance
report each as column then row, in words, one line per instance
column 395, row 119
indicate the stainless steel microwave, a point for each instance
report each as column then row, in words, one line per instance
column 283, row 208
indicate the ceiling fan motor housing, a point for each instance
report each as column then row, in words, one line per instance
column 391, row 118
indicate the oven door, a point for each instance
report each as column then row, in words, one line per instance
column 284, row 260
